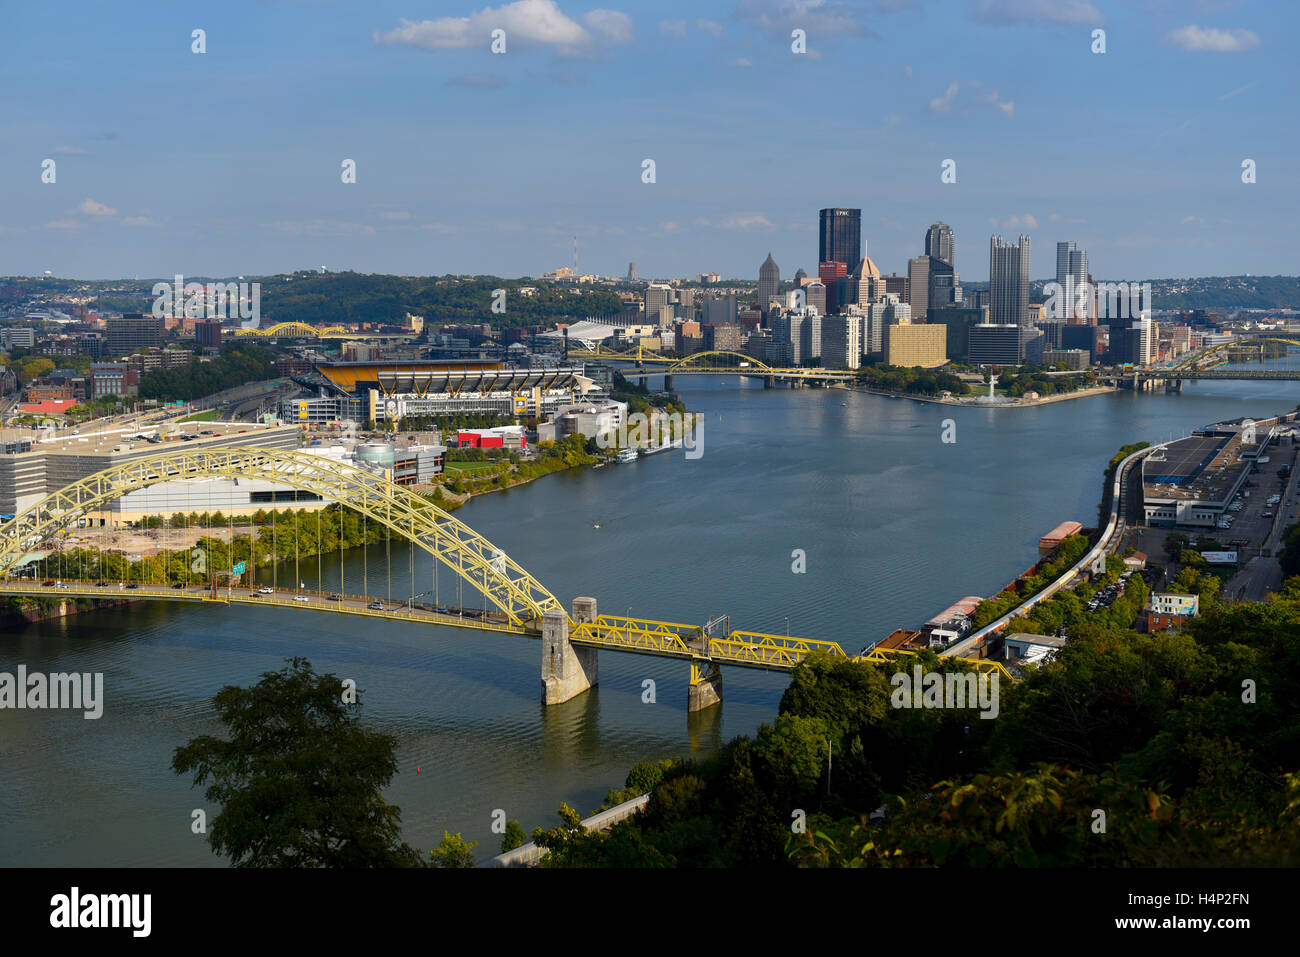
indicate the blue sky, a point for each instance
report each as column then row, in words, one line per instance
column 468, row 161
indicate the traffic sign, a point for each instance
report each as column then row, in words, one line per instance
column 238, row 569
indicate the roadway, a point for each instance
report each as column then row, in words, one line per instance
column 637, row 636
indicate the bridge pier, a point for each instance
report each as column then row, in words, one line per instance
column 769, row 382
column 567, row 671
column 705, row 689
column 668, row 383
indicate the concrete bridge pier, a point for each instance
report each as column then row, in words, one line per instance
column 567, row 671
column 769, row 382
column 706, row 686
column 668, row 383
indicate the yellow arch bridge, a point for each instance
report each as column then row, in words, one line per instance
column 714, row 362
column 519, row 604
column 301, row 330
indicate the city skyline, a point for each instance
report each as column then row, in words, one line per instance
column 470, row 162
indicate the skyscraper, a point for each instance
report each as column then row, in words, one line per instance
column 657, row 295
column 940, row 244
column 1009, row 282
column 840, row 236
column 1071, row 273
column 769, row 281
column 918, row 286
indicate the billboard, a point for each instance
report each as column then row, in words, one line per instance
column 1220, row 558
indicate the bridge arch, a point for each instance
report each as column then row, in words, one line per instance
column 296, row 329
column 709, row 360
column 450, row 541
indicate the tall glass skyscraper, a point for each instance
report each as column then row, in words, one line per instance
column 1071, row 273
column 840, row 237
column 939, row 243
column 1009, row 282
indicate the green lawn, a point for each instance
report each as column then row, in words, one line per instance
column 212, row 415
column 470, row 467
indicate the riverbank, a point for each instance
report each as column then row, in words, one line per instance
column 982, row 402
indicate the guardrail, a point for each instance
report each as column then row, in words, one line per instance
column 529, row 854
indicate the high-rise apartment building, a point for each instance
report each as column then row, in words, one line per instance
column 841, row 342
column 1009, row 282
column 815, row 293
column 840, row 236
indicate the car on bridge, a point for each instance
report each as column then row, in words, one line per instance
column 333, row 597
column 301, row 598
column 376, row 606
column 178, row 586
column 266, row 591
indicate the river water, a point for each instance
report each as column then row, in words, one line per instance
column 893, row 524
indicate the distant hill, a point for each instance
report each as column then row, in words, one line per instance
column 1223, row 292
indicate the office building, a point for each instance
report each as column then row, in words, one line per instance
column 719, row 310
column 18, row 338
column 943, row 286
column 207, row 334
column 840, row 236
column 841, row 342
column 1004, row 344
column 909, row 345
column 769, row 281
column 958, row 320
column 1079, row 336
column 828, row 273
column 1009, row 282
column 1074, row 358
column 1071, row 274
column 131, row 332
column 939, row 243
column 918, row 285
column 815, row 296
column 656, row 297
column 729, row 337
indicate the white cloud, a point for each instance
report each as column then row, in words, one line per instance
column 745, row 221
column 711, row 27
column 1007, row 107
column 610, row 25
column 1016, row 222
column 907, row 72
column 143, row 221
column 1213, row 40
column 942, row 104
column 395, row 214
column 527, row 23
column 1195, row 220
column 65, row 224
column 820, row 18
column 1037, row 11
column 739, row 62
column 673, row 28
column 92, row 208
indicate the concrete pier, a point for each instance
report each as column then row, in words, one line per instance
column 567, row 671
column 706, row 687
column 669, row 385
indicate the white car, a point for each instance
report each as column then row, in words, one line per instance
column 301, row 598
column 266, row 591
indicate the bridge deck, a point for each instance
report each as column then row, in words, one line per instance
column 743, row 649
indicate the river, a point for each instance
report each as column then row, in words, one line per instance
column 893, row 523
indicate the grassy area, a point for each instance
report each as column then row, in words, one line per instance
column 470, row 467
column 212, row 415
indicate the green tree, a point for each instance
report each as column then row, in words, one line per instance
column 454, row 851
column 300, row 780
column 513, row 837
